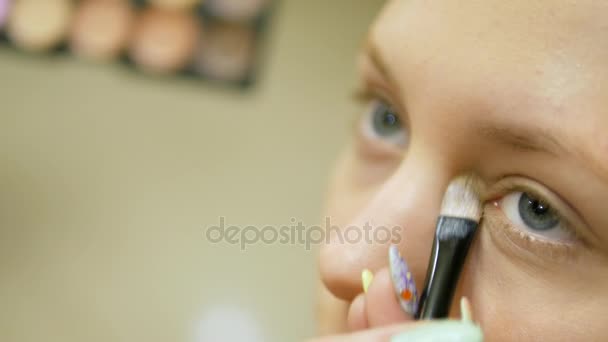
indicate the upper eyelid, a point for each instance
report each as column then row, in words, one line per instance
column 363, row 95
column 499, row 224
column 374, row 77
column 512, row 185
column 367, row 93
column 362, row 135
column 372, row 54
column 564, row 221
column 568, row 215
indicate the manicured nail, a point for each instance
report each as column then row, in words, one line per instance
column 366, row 277
column 440, row 331
column 403, row 281
column 466, row 313
column 447, row 330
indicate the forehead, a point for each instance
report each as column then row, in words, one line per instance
column 520, row 60
column 548, row 20
column 556, row 47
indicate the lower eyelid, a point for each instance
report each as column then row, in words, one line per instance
column 515, row 241
column 523, row 184
column 372, row 146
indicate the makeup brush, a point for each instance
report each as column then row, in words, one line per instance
column 460, row 214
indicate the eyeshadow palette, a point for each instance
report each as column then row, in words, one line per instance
column 218, row 40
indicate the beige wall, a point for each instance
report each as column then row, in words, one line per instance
column 108, row 180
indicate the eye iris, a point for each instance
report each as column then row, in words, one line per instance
column 385, row 121
column 536, row 214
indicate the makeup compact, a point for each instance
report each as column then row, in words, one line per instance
column 164, row 40
column 236, row 10
column 35, row 25
column 176, row 4
column 217, row 40
column 226, row 51
column 4, row 8
column 101, row 29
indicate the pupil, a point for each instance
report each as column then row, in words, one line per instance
column 389, row 119
column 385, row 121
column 539, row 207
column 536, row 214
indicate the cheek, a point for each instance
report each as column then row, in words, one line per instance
column 497, row 299
column 399, row 207
column 513, row 303
column 352, row 184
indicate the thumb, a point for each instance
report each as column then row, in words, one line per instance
column 378, row 306
column 421, row 331
column 390, row 298
column 464, row 330
column 382, row 304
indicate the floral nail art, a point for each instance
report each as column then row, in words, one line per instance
column 403, row 281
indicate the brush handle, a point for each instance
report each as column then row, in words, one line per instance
column 447, row 258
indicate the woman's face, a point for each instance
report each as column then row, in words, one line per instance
column 514, row 92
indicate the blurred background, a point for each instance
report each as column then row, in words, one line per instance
column 109, row 178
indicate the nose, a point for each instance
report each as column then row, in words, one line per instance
column 406, row 205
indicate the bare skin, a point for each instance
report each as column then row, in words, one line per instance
column 512, row 91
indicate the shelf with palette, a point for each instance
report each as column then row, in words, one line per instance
column 214, row 40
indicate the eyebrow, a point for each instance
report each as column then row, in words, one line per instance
column 528, row 139
column 372, row 51
column 521, row 138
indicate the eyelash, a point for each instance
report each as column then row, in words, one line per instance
column 524, row 240
column 537, row 245
column 365, row 96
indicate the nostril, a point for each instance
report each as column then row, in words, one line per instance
column 341, row 271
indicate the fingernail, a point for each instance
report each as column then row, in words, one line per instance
column 366, row 277
column 453, row 331
column 466, row 312
column 403, row 281
column 448, row 330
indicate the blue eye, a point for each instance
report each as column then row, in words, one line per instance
column 385, row 121
column 534, row 216
column 382, row 122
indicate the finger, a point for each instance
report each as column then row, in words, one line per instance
column 420, row 331
column 357, row 317
column 381, row 304
column 331, row 313
column 382, row 334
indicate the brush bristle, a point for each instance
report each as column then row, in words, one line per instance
column 450, row 228
column 461, row 200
